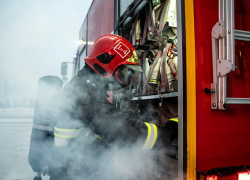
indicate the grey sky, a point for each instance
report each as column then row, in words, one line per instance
column 35, row 37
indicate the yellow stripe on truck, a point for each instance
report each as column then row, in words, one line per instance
column 191, row 90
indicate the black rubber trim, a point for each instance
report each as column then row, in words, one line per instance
column 184, row 113
column 105, row 58
column 99, row 69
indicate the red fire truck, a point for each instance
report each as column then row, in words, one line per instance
column 213, row 78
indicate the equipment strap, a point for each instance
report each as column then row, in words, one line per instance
column 164, row 87
column 145, row 67
column 158, row 57
column 151, row 137
column 145, row 30
column 152, row 31
column 172, row 67
column 163, row 17
column 41, row 127
column 132, row 29
column 157, row 13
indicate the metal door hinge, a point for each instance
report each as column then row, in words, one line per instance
column 223, row 67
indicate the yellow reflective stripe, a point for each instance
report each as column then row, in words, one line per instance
column 154, row 80
column 87, row 134
column 173, row 119
column 134, row 58
column 151, row 137
column 155, row 137
column 66, row 130
column 66, row 133
column 98, row 137
column 149, row 132
column 64, row 136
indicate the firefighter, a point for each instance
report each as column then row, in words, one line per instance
column 88, row 123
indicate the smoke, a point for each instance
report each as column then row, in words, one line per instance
column 35, row 37
column 116, row 153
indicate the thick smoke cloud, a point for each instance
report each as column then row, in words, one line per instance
column 113, row 157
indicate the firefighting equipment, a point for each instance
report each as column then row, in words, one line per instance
column 172, row 19
column 175, row 60
column 165, row 71
column 41, row 141
column 135, row 32
column 171, row 50
column 155, row 68
column 110, row 51
column 159, row 72
column 163, row 17
column 172, row 66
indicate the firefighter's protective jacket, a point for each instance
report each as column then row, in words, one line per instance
column 87, row 124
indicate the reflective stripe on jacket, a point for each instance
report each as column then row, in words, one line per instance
column 41, row 127
column 63, row 136
column 175, row 119
column 151, row 137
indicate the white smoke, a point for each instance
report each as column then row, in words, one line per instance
column 113, row 157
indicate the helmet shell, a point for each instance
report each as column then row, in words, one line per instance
column 108, row 52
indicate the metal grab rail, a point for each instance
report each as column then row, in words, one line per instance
column 223, row 49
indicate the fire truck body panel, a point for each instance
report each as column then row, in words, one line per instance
column 222, row 136
column 100, row 20
column 208, row 138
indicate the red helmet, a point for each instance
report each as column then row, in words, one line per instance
column 110, row 51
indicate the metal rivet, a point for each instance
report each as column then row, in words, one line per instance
column 214, row 104
column 219, row 23
column 229, row 32
column 219, row 35
column 219, row 61
column 221, row 101
column 219, row 73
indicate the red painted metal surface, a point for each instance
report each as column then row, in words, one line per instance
column 241, row 76
column 83, row 34
column 83, row 30
column 100, row 20
column 222, row 136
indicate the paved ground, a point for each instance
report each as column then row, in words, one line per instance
column 14, row 149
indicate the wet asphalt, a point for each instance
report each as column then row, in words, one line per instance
column 14, row 149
